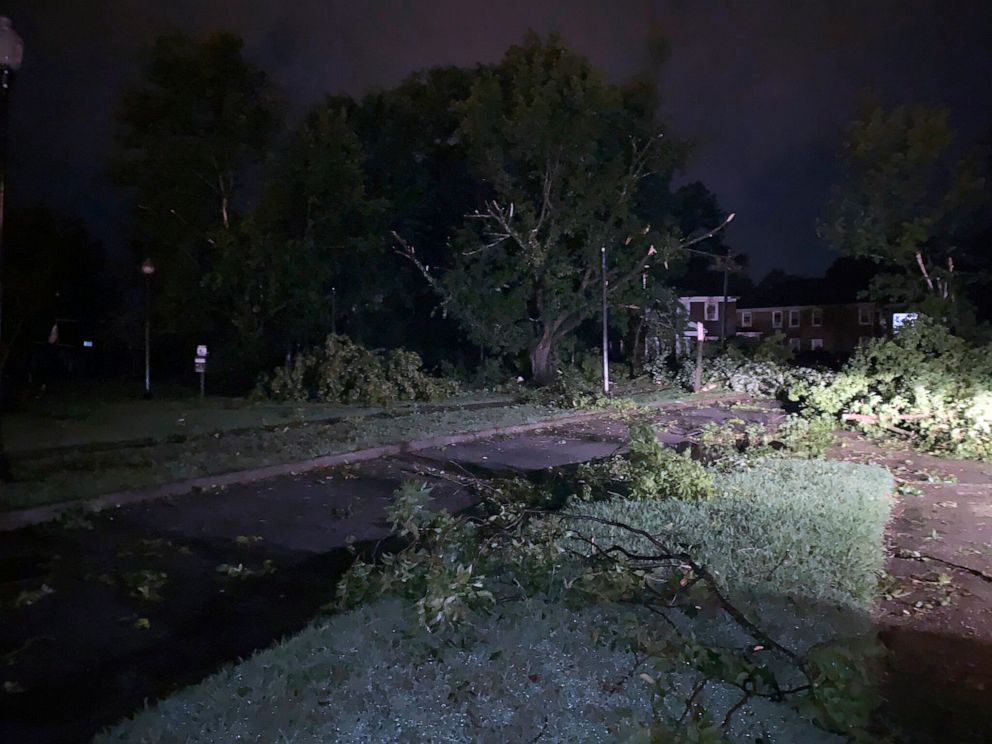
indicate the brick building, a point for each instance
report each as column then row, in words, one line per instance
column 835, row 328
column 710, row 311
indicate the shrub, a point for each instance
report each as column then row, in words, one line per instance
column 342, row 371
column 648, row 471
column 658, row 472
column 923, row 383
column 797, row 528
column 773, row 349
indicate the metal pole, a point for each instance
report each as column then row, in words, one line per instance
column 148, row 335
column 606, row 334
column 697, row 382
column 202, row 385
column 334, row 311
column 723, row 316
column 4, row 90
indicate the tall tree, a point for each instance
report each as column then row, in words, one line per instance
column 298, row 264
column 906, row 207
column 191, row 131
column 417, row 165
column 564, row 160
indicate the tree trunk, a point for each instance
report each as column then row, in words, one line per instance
column 540, row 360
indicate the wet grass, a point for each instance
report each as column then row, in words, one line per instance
column 72, row 475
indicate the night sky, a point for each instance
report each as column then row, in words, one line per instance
column 765, row 86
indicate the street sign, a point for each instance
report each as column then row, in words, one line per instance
column 200, row 366
column 700, row 330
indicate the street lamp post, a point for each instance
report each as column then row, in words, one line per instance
column 147, row 269
column 606, row 324
column 11, row 54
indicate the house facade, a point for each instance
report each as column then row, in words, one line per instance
column 837, row 328
column 711, row 311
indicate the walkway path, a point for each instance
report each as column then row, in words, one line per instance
column 936, row 616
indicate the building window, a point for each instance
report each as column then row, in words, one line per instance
column 816, row 343
column 864, row 315
column 712, row 311
column 793, row 319
column 746, row 319
column 817, row 318
column 776, row 318
column 795, row 344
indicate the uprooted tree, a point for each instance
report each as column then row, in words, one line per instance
column 570, row 167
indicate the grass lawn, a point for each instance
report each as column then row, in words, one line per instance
column 85, row 419
column 223, row 444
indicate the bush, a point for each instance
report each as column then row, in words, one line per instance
column 923, row 383
column 342, row 371
column 658, row 472
column 797, row 528
column 773, row 349
column 647, row 472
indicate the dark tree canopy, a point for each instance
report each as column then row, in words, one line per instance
column 907, row 207
column 190, row 133
column 563, row 160
column 502, row 183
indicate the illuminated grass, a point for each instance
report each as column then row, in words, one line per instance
column 533, row 671
column 809, row 529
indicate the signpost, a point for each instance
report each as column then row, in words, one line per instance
column 697, row 382
column 200, row 365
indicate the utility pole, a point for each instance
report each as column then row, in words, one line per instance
column 606, row 333
column 723, row 312
column 147, row 270
column 11, row 54
column 334, row 311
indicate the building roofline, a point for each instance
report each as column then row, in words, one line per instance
column 808, row 307
column 703, row 298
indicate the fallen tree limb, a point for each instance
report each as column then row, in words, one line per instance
column 866, row 418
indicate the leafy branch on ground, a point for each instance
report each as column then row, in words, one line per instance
column 342, row 371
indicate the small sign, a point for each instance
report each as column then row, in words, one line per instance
column 87, row 344
column 901, row 319
column 200, row 365
column 201, row 350
column 700, row 331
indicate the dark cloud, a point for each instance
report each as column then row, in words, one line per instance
column 766, row 87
